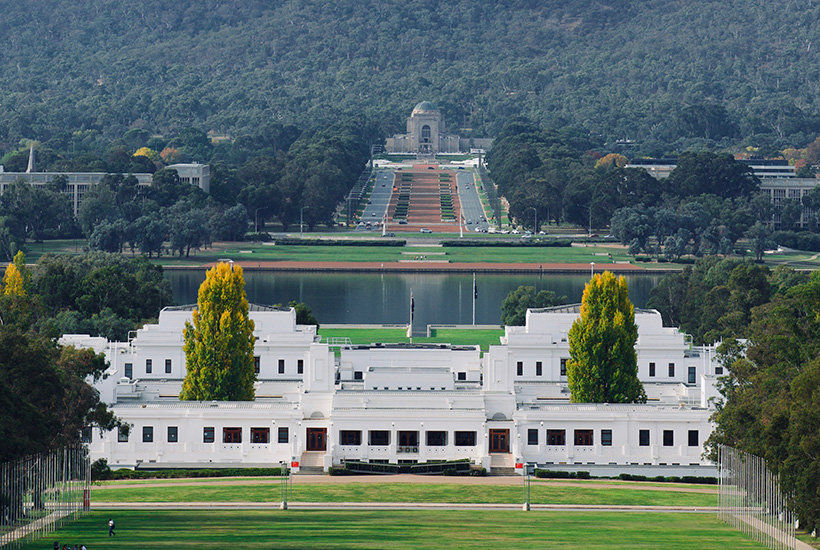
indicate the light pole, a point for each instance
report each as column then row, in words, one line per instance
column 256, row 218
column 301, row 213
column 591, row 269
column 535, row 222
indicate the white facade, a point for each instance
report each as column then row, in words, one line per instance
column 405, row 402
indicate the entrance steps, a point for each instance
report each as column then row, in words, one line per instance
column 310, row 471
column 501, row 464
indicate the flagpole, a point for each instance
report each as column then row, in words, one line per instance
column 410, row 325
column 475, row 295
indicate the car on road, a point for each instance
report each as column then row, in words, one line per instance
column 515, row 232
column 478, row 229
column 425, row 230
column 372, row 213
column 389, row 235
column 469, row 222
column 402, row 222
column 526, row 237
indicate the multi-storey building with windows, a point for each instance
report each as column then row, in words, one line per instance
column 404, row 403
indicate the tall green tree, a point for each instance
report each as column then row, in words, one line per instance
column 603, row 365
column 515, row 305
column 219, row 343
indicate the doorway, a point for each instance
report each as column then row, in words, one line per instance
column 499, row 441
column 317, row 439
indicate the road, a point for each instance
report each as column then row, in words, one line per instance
column 379, row 201
column 471, row 207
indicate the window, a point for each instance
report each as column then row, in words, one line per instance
column 300, row 366
column 538, row 369
column 260, row 435
column 122, row 434
column 148, row 366
column 86, row 434
column 643, row 438
column 564, row 367
column 556, row 438
column 358, row 375
column 519, row 367
column 462, row 376
column 692, row 375
column 257, row 364
column 668, row 438
column 379, row 437
column 583, row 438
column 651, row 369
column 718, row 370
column 606, row 438
column 693, row 438
column 173, row 434
column 282, row 435
column 671, row 370
column 350, row 437
column 147, row 434
column 464, row 439
column 208, row 435
column 129, row 370
column 231, row 435
column 408, row 439
column 532, row 436
column 281, row 366
column 436, row 439
column 167, row 366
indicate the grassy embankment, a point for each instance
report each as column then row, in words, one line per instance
column 416, row 529
column 457, row 337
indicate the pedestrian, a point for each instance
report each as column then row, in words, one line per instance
column 82, row 547
column 56, row 545
column 111, row 532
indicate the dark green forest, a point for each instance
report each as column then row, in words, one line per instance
column 669, row 75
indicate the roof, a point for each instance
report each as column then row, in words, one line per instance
column 575, row 308
column 425, row 106
column 251, row 307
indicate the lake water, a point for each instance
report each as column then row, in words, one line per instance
column 373, row 298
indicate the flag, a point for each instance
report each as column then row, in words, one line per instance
column 412, row 310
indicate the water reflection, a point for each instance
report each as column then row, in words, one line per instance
column 384, row 298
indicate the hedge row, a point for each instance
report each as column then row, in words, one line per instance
column 500, row 242
column 105, row 473
column 560, row 474
column 671, row 479
column 337, row 242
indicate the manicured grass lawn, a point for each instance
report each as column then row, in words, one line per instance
column 458, row 337
column 541, row 493
column 358, row 529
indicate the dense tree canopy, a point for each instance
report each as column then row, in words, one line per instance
column 515, row 305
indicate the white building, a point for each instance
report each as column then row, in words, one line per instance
column 405, row 403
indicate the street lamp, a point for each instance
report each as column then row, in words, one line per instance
column 301, row 213
column 256, row 218
column 535, row 215
column 591, row 269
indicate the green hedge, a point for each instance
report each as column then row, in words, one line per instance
column 670, row 479
column 560, row 474
column 172, row 474
column 335, row 242
column 499, row 242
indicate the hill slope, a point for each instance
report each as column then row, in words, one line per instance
column 638, row 69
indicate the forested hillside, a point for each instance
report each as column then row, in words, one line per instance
column 671, row 74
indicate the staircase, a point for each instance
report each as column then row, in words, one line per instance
column 501, row 464
column 312, row 463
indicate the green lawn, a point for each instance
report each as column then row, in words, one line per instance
column 541, row 493
column 458, row 337
column 358, row 529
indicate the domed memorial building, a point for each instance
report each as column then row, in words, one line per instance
column 426, row 134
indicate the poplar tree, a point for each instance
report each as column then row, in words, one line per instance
column 603, row 365
column 219, row 343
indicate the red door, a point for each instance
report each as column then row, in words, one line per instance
column 499, row 441
column 317, row 439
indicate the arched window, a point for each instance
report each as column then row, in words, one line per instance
column 425, row 134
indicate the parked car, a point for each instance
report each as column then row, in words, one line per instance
column 515, row 232
column 425, row 230
column 389, row 235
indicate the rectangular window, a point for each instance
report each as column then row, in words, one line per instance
column 583, row 438
column 350, row 437
column 147, row 434
column 231, row 435
column 538, row 369
column 668, row 438
column 556, row 438
column 464, row 439
column 606, row 438
column 86, row 434
column 564, row 367
column 462, row 376
column 408, row 439
column 532, row 436
column 260, row 435
column 282, row 436
column 257, row 364
column 436, row 439
column 300, row 366
column 173, row 434
column 122, row 434
column 692, row 375
column 671, row 370
column 693, row 438
column 208, row 435
column 358, row 375
column 651, row 369
column 167, row 366
column 149, row 366
column 281, row 366
column 129, row 370
column 379, row 437
column 519, row 368
column 718, row 370
column 643, row 438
